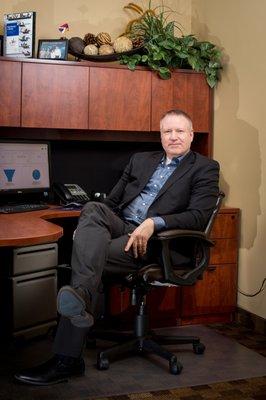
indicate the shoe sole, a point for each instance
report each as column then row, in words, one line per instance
column 24, row 381
column 72, row 306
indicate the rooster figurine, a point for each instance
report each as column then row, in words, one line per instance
column 63, row 28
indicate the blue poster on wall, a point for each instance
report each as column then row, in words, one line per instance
column 19, row 34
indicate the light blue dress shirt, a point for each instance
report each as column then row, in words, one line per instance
column 136, row 211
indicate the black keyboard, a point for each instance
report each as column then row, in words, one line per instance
column 18, row 208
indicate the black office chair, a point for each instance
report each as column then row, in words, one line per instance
column 142, row 339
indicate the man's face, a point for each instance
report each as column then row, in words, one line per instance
column 176, row 135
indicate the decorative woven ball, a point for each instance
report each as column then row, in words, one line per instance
column 76, row 45
column 137, row 42
column 122, row 44
column 103, row 38
column 90, row 38
column 106, row 49
column 91, row 50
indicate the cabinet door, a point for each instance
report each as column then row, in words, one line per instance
column 10, row 93
column 119, row 99
column 215, row 293
column 187, row 91
column 55, row 96
column 164, row 305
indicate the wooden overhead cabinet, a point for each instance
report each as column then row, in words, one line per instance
column 10, row 93
column 120, row 100
column 54, row 96
column 186, row 90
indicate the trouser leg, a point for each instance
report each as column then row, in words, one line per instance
column 69, row 339
column 97, row 226
column 99, row 241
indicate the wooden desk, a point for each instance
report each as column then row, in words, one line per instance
column 205, row 302
column 34, row 227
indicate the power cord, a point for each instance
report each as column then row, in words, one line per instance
column 256, row 293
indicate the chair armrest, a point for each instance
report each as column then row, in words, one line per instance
column 182, row 233
column 178, row 233
column 171, row 275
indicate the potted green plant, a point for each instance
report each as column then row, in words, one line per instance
column 163, row 51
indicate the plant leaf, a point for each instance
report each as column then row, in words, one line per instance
column 164, row 51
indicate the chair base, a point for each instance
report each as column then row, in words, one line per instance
column 141, row 342
column 139, row 346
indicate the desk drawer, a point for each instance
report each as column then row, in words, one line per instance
column 225, row 251
column 225, row 226
column 34, row 298
column 34, row 258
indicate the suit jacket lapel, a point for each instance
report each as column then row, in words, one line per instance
column 184, row 166
column 149, row 169
column 145, row 174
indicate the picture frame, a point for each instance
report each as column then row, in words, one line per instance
column 53, row 49
column 19, row 34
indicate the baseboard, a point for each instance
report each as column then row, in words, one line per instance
column 251, row 321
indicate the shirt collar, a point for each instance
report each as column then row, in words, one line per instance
column 175, row 160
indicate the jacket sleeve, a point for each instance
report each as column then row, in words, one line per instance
column 203, row 196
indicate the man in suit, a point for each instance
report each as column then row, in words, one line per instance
column 173, row 188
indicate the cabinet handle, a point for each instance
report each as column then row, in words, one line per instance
column 211, row 268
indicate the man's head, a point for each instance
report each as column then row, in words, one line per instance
column 176, row 133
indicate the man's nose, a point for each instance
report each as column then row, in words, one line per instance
column 173, row 135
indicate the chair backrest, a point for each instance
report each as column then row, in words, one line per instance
column 190, row 276
column 214, row 213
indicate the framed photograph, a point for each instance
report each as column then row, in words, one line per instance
column 19, row 34
column 53, row 49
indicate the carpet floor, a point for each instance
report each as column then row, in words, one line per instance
column 233, row 367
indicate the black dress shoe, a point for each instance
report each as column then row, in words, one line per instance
column 74, row 304
column 52, row 371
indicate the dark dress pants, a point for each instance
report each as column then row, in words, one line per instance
column 99, row 242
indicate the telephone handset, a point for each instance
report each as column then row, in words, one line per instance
column 70, row 192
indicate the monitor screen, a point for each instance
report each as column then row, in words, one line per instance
column 24, row 167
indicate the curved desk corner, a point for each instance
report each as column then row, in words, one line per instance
column 34, row 227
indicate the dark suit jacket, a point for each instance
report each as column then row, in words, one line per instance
column 187, row 198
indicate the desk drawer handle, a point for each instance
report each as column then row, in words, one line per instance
column 211, row 268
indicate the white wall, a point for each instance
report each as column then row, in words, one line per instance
column 85, row 16
column 238, row 26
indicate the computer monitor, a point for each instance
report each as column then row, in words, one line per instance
column 24, row 167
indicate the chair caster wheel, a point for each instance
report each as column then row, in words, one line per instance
column 175, row 367
column 198, row 348
column 102, row 363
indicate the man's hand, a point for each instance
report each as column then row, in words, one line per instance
column 139, row 238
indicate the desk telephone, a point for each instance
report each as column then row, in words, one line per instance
column 70, row 192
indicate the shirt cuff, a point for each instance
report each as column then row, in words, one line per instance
column 159, row 223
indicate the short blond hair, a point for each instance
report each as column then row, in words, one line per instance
column 178, row 113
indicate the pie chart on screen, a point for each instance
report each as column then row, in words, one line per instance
column 36, row 174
